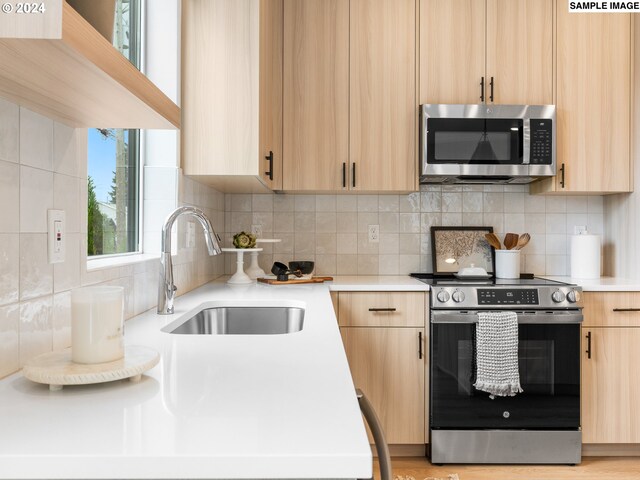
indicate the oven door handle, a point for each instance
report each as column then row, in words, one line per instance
column 471, row 316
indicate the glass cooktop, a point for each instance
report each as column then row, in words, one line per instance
column 430, row 279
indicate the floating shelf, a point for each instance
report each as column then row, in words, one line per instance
column 64, row 69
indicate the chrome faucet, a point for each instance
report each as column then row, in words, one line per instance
column 166, row 288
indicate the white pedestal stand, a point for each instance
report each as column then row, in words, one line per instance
column 254, row 271
column 240, row 278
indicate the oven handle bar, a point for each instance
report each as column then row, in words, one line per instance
column 471, row 316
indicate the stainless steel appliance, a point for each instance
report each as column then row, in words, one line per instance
column 487, row 143
column 539, row 425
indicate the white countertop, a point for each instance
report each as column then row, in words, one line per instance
column 216, row 406
column 382, row 283
column 602, row 284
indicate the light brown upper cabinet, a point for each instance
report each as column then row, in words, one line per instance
column 232, row 93
column 350, row 116
column 594, row 78
column 383, row 116
column 316, row 94
column 486, row 51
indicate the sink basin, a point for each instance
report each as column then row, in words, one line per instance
column 242, row 321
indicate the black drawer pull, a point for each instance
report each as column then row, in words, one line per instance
column 269, row 158
column 491, row 94
column 382, row 309
column 344, row 175
column 626, row 309
column 588, row 345
column 482, row 89
column 562, row 176
column 420, row 345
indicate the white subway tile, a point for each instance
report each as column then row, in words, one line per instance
column 66, row 275
column 9, row 268
column 535, row 204
column 368, row 265
column 347, row 203
column 262, row 202
column 304, row 246
column 9, row 196
column 408, row 264
column 365, row 247
column 326, row 244
column 556, row 223
column 305, row 203
column 61, row 321
column 326, row 222
column 282, row 222
column 9, row 339
column 367, row 203
column 66, row 157
column 388, row 203
column 326, row 203
column 304, row 222
column 389, row 243
column 493, row 202
column 556, row 245
column 576, row 220
column 241, row 202
column 472, row 202
column 535, row 223
column 347, row 264
column 595, row 204
column 347, row 222
column 365, row 219
column 409, row 223
column 451, row 202
column 66, row 196
column 410, row 203
column 495, row 220
column 409, row 243
column 326, row 264
column 388, row 264
column 514, row 222
column 36, row 197
column 36, row 274
column 9, row 131
column 514, row 202
column 556, row 265
column 36, row 333
column 428, row 220
column 36, row 140
column 472, row 219
column 535, row 264
column 389, row 222
column 577, row 204
column 557, row 204
column 429, row 202
column 347, row 243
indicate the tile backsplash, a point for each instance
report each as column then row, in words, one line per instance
column 333, row 229
column 43, row 165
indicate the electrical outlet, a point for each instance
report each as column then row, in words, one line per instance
column 579, row 229
column 56, row 240
column 191, row 235
column 374, row 233
column 256, row 230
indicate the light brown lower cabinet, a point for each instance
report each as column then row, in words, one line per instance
column 387, row 353
column 610, row 385
column 385, row 364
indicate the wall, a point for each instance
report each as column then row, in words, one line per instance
column 43, row 166
column 622, row 212
column 332, row 229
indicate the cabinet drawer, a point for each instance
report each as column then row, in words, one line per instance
column 381, row 309
column 611, row 309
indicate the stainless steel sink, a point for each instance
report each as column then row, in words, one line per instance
column 242, row 321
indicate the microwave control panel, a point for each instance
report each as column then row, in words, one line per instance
column 540, row 148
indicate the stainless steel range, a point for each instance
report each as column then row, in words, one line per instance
column 539, row 425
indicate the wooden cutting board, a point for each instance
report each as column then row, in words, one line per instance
column 295, row 281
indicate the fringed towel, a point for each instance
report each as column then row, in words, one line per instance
column 497, row 354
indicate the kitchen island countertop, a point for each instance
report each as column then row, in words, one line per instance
column 216, row 406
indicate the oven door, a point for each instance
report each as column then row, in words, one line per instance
column 549, row 364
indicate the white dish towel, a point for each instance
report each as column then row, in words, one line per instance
column 497, row 354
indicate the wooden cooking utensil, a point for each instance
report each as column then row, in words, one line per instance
column 493, row 240
column 510, row 241
column 523, row 240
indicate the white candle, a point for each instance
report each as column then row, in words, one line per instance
column 97, row 316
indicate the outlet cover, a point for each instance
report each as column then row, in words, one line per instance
column 56, row 238
column 374, row 233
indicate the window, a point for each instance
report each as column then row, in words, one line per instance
column 114, row 160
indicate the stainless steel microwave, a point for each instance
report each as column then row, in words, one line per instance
column 506, row 144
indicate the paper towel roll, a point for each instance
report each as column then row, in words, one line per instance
column 585, row 256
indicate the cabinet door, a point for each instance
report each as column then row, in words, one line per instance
column 385, row 364
column 593, row 101
column 520, row 51
column 316, row 93
column 271, row 92
column 452, row 50
column 383, row 109
column 610, row 387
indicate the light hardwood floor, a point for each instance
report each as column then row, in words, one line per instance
column 592, row 468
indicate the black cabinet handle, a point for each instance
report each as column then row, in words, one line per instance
column 588, row 345
column 626, row 309
column 420, row 345
column 482, row 89
column 344, row 175
column 382, row 309
column 562, row 176
column 269, row 158
column 353, row 175
column 491, row 90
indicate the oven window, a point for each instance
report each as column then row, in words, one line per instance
column 475, row 141
column 549, row 364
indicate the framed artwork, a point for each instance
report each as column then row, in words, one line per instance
column 454, row 248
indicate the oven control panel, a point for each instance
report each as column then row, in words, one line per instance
column 503, row 296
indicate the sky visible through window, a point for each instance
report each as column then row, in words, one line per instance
column 102, row 154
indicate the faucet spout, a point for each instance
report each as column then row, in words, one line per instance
column 166, row 288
